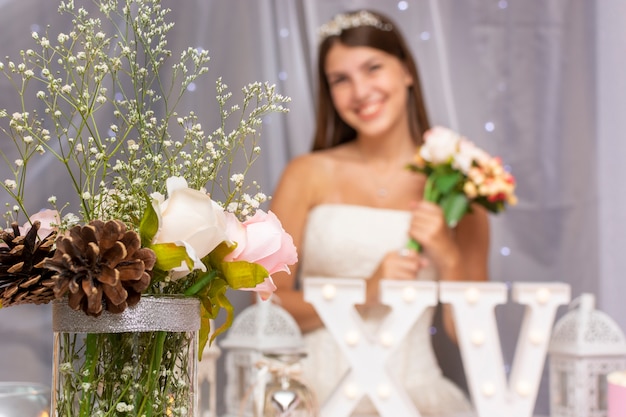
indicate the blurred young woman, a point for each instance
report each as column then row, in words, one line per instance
column 351, row 205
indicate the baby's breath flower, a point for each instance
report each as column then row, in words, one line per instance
column 65, row 367
column 122, row 407
column 10, row 184
column 132, row 145
column 232, row 207
column 237, row 179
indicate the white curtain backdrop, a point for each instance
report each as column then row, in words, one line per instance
column 538, row 82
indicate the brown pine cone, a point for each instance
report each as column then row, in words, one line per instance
column 23, row 280
column 101, row 262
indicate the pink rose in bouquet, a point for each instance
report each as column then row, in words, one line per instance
column 261, row 239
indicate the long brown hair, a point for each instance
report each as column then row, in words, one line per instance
column 331, row 130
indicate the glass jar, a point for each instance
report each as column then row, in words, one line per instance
column 141, row 362
column 286, row 394
column 24, row 399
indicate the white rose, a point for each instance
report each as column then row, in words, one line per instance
column 189, row 218
column 440, row 145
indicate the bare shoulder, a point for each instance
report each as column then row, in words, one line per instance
column 311, row 177
column 313, row 169
column 304, row 179
column 319, row 162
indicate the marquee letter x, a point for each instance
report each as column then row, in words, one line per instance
column 367, row 355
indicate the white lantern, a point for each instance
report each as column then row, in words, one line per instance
column 586, row 345
column 261, row 327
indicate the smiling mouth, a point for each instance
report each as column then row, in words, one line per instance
column 369, row 110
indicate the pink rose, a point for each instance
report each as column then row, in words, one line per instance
column 262, row 240
column 49, row 220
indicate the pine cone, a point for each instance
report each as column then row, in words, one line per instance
column 101, row 262
column 23, row 280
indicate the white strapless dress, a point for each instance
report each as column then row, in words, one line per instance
column 348, row 241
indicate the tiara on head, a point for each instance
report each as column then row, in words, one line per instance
column 344, row 21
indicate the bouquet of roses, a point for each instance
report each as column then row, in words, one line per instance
column 459, row 174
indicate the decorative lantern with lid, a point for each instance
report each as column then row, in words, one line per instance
column 260, row 328
column 586, row 345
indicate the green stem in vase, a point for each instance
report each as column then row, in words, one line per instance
column 153, row 374
column 68, row 386
column 91, row 359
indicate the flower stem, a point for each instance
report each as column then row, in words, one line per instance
column 154, row 371
column 413, row 244
column 201, row 283
column 430, row 194
column 91, row 353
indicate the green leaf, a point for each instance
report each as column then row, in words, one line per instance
column 242, row 274
column 224, row 303
column 238, row 274
column 454, row 207
column 448, row 181
column 170, row 255
column 212, row 300
column 149, row 225
column 217, row 255
column 205, row 330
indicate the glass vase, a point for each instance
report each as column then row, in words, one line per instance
column 141, row 362
column 286, row 395
column 24, row 399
